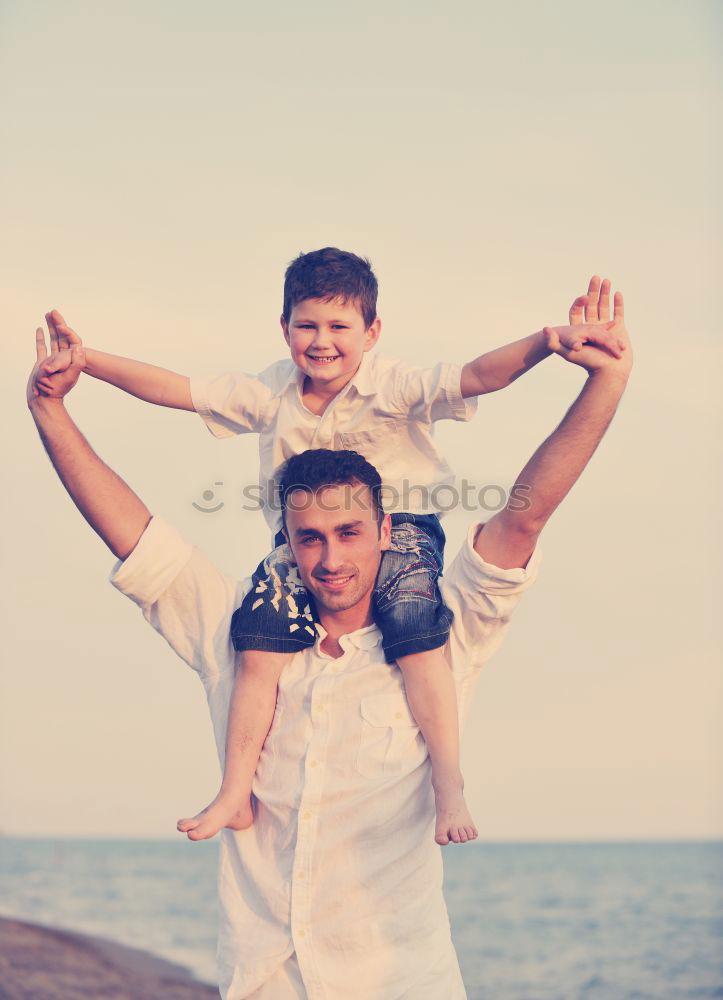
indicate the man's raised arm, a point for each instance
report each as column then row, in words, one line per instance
column 509, row 538
column 109, row 506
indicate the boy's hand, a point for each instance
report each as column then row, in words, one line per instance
column 44, row 380
column 592, row 340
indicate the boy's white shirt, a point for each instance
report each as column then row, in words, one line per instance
column 386, row 413
column 340, row 865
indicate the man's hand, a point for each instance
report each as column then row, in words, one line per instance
column 62, row 337
column 56, row 375
column 593, row 340
column 105, row 501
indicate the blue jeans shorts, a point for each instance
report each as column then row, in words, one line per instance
column 278, row 613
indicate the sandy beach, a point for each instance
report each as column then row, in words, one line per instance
column 41, row 963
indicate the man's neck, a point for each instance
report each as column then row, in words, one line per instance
column 339, row 623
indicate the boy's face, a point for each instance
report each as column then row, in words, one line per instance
column 327, row 340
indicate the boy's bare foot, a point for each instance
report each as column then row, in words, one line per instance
column 454, row 822
column 222, row 812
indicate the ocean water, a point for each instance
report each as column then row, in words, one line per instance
column 592, row 921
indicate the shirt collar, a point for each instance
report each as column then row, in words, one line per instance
column 363, row 380
column 364, row 638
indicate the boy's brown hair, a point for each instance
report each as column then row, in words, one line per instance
column 329, row 274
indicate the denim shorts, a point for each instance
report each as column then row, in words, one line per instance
column 278, row 613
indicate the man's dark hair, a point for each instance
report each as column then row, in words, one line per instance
column 317, row 468
column 330, row 274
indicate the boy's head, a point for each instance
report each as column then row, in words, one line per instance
column 335, row 523
column 330, row 314
column 331, row 274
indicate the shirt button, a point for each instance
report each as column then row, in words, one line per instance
column 397, row 715
column 313, row 763
column 301, row 875
column 306, row 815
column 300, row 933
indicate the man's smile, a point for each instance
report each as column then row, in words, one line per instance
column 334, row 582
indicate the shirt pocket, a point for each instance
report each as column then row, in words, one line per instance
column 367, row 441
column 390, row 741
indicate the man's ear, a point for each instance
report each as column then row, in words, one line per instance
column 385, row 533
column 286, row 539
column 372, row 334
column 285, row 328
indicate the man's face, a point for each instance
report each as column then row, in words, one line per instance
column 328, row 339
column 337, row 543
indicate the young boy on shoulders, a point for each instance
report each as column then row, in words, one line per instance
column 333, row 393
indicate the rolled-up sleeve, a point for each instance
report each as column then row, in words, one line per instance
column 232, row 403
column 429, row 394
column 482, row 597
column 183, row 596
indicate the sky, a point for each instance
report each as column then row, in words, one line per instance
column 162, row 164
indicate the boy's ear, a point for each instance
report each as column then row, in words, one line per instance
column 284, row 327
column 372, row 334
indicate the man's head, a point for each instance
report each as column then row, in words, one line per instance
column 335, row 525
column 330, row 314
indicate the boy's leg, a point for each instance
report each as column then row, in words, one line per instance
column 274, row 622
column 415, row 622
column 251, row 711
column 432, row 697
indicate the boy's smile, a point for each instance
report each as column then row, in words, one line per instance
column 327, row 341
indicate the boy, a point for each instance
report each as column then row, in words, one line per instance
column 333, row 394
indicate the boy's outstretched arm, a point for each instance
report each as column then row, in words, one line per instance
column 148, row 382
column 108, row 504
column 499, row 368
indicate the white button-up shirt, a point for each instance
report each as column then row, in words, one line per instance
column 340, row 865
column 386, row 412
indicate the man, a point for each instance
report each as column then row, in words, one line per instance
column 336, row 889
